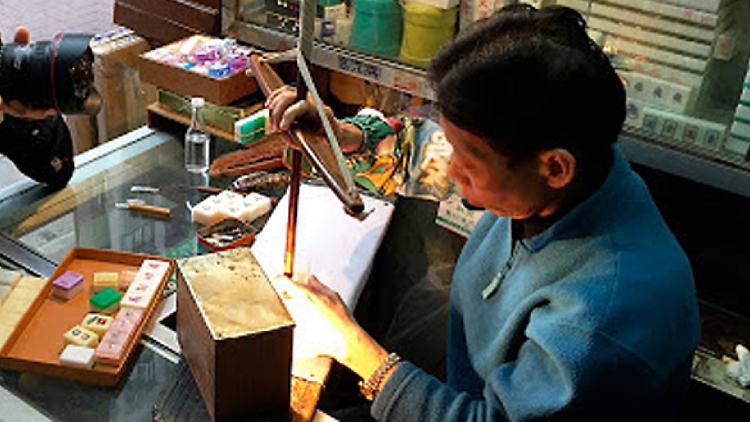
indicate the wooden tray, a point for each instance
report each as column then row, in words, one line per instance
column 37, row 341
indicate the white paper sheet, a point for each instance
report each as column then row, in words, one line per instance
column 338, row 249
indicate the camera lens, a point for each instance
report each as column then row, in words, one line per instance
column 50, row 74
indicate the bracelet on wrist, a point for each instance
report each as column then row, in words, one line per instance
column 371, row 386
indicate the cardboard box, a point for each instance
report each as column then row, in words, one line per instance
column 219, row 91
column 83, row 131
column 149, row 25
column 235, row 334
column 198, row 16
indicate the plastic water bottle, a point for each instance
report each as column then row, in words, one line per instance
column 197, row 140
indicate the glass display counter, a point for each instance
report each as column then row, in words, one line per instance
column 40, row 227
column 45, row 226
column 84, row 215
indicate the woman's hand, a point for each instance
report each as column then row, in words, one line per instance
column 340, row 336
column 284, row 110
column 14, row 108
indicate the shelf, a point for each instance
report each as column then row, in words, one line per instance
column 156, row 111
column 712, row 372
column 721, row 331
column 722, row 171
column 391, row 74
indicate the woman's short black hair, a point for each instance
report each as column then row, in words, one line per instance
column 527, row 80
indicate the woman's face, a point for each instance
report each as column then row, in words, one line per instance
column 486, row 180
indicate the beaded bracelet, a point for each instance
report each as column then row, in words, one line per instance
column 371, row 386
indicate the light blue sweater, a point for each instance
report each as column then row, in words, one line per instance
column 593, row 319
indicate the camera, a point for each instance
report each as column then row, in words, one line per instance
column 53, row 74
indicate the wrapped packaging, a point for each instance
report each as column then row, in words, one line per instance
column 117, row 80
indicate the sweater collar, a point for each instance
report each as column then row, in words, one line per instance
column 589, row 213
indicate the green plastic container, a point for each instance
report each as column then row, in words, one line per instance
column 426, row 29
column 222, row 117
column 377, row 27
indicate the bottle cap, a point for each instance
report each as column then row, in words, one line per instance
column 198, row 102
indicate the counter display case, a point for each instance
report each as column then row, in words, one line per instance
column 684, row 63
column 41, row 227
column 38, row 228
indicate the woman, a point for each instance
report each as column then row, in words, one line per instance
column 571, row 299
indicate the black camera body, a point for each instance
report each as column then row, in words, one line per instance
column 55, row 74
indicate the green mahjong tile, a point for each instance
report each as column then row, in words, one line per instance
column 105, row 298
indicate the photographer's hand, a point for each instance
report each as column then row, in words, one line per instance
column 22, row 36
column 14, row 108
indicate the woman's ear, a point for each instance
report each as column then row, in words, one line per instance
column 557, row 167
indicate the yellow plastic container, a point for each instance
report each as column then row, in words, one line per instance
column 426, row 29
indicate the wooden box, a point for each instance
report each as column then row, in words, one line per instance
column 37, row 341
column 204, row 19
column 235, row 334
column 220, row 91
column 150, row 26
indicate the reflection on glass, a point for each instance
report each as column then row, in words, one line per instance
column 684, row 64
column 84, row 214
